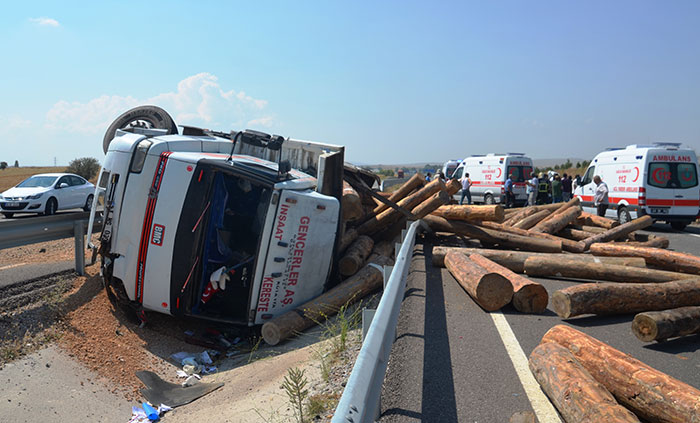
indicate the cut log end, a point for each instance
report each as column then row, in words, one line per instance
column 531, row 299
column 271, row 333
column 494, row 291
column 561, row 303
column 644, row 328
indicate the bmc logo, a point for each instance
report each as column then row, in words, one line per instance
column 158, row 234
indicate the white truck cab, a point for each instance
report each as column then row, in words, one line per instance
column 226, row 227
column 660, row 180
column 449, row 167
column 489, row 173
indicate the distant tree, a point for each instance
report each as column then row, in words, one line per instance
column 16, row 163
column 86, row 167
column 3, row 165
column 556, row 167
column 567, row 165
column 578, row 165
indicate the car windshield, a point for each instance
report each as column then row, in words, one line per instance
column 37, row 181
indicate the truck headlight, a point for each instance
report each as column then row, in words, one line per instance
column 35, row 196
column 140, row 156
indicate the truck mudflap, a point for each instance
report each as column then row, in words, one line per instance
column 299, row 254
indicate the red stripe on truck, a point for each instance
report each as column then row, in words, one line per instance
column 148, row 222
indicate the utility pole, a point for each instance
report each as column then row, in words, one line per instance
column 54, row 161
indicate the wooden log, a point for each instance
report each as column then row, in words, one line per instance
column 488, row 289
column 511, row 211
column 355, row 255
column 356, row 287
column 384, row 249
column 654, row 242
column 563, row 267
column 574, row 392
column 528, row 296
column 559, row 222
column 624, row 298
column 351, row 204
column 662, row 325
column 669, row 260
column 348, row 237
column 431, row 204
column 389, row 216
column 574, row 202
column 469, row 213
column 566, row 244
column 493, row 237
column 650, row 394
column 520, row 215
column 618, row 231
column 575, row 234
column 515, row 260
column 589, row 219
column 453, row 187
column 531, row 220
column 414, row 182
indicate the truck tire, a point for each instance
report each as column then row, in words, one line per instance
column 488, row 199
column 623, row 215
column 156, row 117
column 678, row 225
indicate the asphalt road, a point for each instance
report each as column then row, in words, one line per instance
column 31, row 215
column 449, row 362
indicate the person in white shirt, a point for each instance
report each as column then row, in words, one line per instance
column 600, row 199
column 466, row 184
column 532, row 185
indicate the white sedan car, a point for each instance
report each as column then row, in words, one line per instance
column 46, row 193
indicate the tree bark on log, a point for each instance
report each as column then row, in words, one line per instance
column 650, row 394
column 356, row 255
column 520, row 215
column 559, row 222
column 453, row 187
column 619, row 231
column 532, row 220
column 431, row 204
column 566, row 244
column 662, row 325
column 573, row 390
column 624, row 298
column 554, row 266
column 389, row 216
column 528, row 296
column 493, row 237
column 669, row 260
column 414, row 182
column 348, row 237
column 654, row 242
column 515, row 260
column 351, row 204
column 588, row 219
column 356, row 287
column 490, row 290
column 564, row 207
column 468, row 213
column 575, row 234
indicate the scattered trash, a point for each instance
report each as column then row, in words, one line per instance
column 147, row 413
column 151, row 412
column 191, row 380
column 158, row 391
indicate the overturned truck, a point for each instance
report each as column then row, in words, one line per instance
column 235, row 227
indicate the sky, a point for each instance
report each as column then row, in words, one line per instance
column 393, row 81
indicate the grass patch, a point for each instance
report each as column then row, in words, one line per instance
column 320, row 404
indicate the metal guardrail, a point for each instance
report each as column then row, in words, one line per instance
column 360, row 399
column 16, row 233
column 390, row 182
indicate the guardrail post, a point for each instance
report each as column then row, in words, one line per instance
column 79, row 234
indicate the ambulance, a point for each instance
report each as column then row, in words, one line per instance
column 659, row 180
column 489, row 173
column 449, row 167
column 225, row 226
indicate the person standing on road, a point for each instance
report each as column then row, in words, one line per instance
column 543, row 189
column 566, row 188
column 466, row 185
column 600, row 199
column 532, row 185
column 427, row 177
column 510, row 198
column 556, row 189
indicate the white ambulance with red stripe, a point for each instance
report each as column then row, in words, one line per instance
column 660, row 180
column 489, row 173
column 230, row 227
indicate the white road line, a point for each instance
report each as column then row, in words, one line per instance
column 10, row 266
column 694, row 235
column 545, row 411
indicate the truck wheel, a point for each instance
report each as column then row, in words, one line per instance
column 623, row 215
column 679, row 226
column 51, row 207
column 488, row 199
column 151, row 116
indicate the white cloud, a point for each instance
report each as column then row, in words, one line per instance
column 263, row 121
column 45, row 21
column 199, row 101
column 14, row 122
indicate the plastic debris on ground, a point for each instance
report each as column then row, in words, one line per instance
column 147, row 413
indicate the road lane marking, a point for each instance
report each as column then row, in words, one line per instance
column 545, row 411
column 694, row 235
column 10, row 266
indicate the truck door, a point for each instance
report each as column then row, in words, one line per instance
column 672, row 189
column 587, row 191
column 686, row 196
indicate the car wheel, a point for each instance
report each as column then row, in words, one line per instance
column 679, row 226
column 149, row 116
column 51, row 207
column 623, row 215
column 8, row 215
column 488, row 199
column 88, row 203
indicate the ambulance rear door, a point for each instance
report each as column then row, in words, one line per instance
column 672, row 184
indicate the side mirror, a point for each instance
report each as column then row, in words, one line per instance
column 62, row 185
